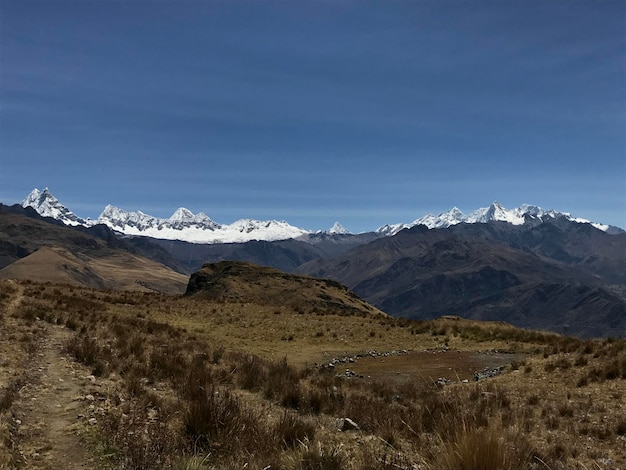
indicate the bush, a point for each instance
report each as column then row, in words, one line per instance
column 319, row 458
column 621, row 427
column 219, row 423
column 84, row 349
column 292, row 430
column 251, row 372
column 485, row 449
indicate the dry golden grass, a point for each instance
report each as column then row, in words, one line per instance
column 114, row 270
column 225, row 385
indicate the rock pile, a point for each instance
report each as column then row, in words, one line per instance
column 487, row 373
column 351, row 359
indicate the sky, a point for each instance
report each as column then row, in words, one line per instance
column 362, row 112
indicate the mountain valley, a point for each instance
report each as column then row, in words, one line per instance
column 527, row 266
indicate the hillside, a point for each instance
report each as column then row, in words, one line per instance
column 230, row 281
column 422, row 274
column 41, row 251
column 137, row 380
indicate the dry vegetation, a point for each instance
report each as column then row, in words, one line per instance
column 103, row 270
column 190, row 384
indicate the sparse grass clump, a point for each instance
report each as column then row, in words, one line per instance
column 318, row 457
column 485, row 449
column 292, row 430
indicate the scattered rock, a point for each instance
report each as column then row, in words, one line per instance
column 348, row 374
column 346, row 424
column 443, row 381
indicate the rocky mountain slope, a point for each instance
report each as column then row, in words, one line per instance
column 421, row 273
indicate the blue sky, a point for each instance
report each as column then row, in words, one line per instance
column 315, row 111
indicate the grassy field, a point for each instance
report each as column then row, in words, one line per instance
column 190, row 383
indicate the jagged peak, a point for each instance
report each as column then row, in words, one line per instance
column 182, row 214
column 47, row 205
column 338, row 229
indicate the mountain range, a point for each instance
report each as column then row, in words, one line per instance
column 527, row 266
column 184, row 225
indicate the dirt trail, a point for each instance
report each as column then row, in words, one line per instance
column 53, row 406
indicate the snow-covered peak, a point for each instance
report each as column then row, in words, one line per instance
column 182, row 214
column 47, row 205
column 445, row 219
column 184, row 218
column 338, row 229
column 249, row 229
column 496, row 212
column 117, row 218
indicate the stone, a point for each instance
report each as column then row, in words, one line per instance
column 346, row 424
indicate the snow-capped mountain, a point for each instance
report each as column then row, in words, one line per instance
column 199, row 228
column 49, row 206
column 182, row 225
column 495, row 212
column 196, row 228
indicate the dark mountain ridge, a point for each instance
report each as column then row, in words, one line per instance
column 533, row 277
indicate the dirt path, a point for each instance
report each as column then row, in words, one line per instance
column 52, row 407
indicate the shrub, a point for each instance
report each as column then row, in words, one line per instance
column 139, row 443
column 84, row 349
column 319, row 458
column 282, row 382
column 621, row 427
column 251, row 372
column 219, row 423
column 581, row 361
column 292, row 430
column 485, row 449
column 533, row 399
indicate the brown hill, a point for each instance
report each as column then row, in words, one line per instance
column 34, row 250
column 52, row 263
column 232, row 281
